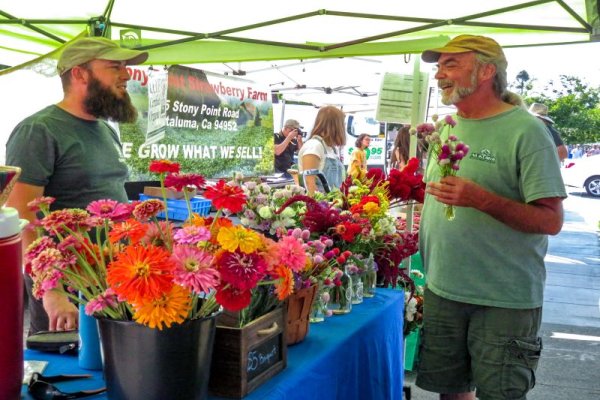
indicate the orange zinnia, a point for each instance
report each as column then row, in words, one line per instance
column 141, row 272
column 132, row 229
column 167, row 309
column 285, row 285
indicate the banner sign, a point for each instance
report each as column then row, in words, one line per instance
column 211, row 124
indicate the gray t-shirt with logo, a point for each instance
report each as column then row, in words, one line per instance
column 75, row 160
column 475, row 258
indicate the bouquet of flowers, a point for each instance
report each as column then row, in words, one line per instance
column 413, row 307
column 262, row 201
column 129, row 265
column 448, row 153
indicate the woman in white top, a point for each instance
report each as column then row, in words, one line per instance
column 321, row 150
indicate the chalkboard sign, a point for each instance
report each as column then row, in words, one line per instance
column 262, row 357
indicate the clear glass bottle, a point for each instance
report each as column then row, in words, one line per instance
column 319, row 309
column 369, row 277
column 341, row 293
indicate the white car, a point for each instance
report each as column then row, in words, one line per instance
column 583, row 172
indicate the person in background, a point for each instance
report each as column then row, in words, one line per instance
column 400, row 152
column 541, row 111
column 357, row 168
column 287, row 143
column 577, row 151
column 67, row 150
column 321, row 152
column 594, row 150
column 483, row 302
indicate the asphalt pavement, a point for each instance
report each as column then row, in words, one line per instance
column 569, row 367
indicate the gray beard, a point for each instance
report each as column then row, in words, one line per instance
column 101, row 102
column 459, row 93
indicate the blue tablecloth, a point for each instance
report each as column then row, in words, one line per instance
column 355, row 356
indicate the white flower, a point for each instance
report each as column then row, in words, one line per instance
column 417, row 274
column 265, row 212
column 410, row 305
column 288, row 212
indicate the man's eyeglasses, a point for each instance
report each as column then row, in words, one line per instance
column 41, row 387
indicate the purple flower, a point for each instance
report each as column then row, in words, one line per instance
column 450, row 121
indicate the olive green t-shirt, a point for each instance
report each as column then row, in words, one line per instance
column 475, row 258
column 76, row 161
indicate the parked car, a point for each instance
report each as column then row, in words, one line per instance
column 583, row 172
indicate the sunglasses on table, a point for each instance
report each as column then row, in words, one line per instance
column 41, row 387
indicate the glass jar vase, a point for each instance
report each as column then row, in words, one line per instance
column 319, row 309
column 340, row 301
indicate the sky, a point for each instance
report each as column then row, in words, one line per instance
column 548, row 62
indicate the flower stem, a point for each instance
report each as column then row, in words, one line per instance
column 449, row 210
column 164, row 195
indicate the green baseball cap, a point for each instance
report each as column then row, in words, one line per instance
column 86, row 49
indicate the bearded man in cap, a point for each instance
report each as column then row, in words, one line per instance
column 68, row 151
column 541, row 111
column 485, row 269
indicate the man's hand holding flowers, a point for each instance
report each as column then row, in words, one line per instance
column 448, row 153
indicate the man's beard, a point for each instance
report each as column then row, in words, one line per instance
column 459, row 93
column 101, row 102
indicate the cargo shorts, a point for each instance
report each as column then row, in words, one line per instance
column 467, row 347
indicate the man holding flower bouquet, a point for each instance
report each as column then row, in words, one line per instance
column 485, row 265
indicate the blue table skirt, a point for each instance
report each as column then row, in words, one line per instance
column 355, row 356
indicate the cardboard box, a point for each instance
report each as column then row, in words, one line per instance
column 155, row 191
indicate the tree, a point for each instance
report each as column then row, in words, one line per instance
column 574, row 107
column 522, row 79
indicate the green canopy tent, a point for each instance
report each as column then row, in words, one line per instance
column 188, row 32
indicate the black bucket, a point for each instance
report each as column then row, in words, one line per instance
column 151, row 364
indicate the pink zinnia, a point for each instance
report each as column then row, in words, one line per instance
column 73, row 219
column 41, row 203
column 35, row 248
column 181, row 181
column 291, row 253
column 110, row 209
column 191, row 234
column 148, row 209
column 193, row 271
column 157, row 233
column 45, row 282
column 241, row 270
column 108, row 299
column 48, row 259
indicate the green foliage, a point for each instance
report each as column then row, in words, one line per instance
column 574, row 107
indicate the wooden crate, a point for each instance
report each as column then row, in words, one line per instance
column 244, row 358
